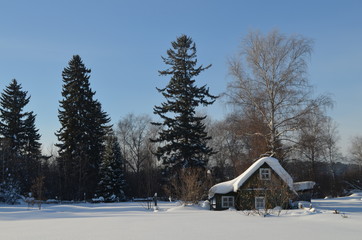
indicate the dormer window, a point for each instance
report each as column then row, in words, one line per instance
column 265, row 173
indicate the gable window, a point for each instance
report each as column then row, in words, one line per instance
column 227, row 201
column 265, row 173
column 259, row 203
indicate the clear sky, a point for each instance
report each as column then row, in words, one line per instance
column 122, row 43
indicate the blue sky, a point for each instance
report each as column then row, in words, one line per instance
column 123, row 41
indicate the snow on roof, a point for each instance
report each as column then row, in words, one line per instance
column 300, row 186
column 222, row 188
column 236, row 183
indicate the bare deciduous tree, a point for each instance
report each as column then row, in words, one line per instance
column 317, row 145
column 133, row 136
column 270, row 79
column 228, row 147
column 151, row 164
column 38, row 189
column 331, row 153
column 356, row 151
column 189, row 185
column 134, row 133
column 310, row 140
column 235, row 149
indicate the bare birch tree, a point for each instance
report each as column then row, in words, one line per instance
column 235, row 150
column 355, row 176
column 311, row 142
column 270, row 79
column 356, row 151
column 331, row 153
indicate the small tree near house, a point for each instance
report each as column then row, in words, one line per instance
column 189, row 185
column 37, row 190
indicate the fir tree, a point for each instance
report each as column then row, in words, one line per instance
column 20, row 138
column 183, row 135
column 111, row 172
column 83, row 129
column 32, row 137
column 12, row 127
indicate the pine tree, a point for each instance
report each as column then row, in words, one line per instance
column 20, row 138
column 112, row 172
column 83, row 129
column 183, row 135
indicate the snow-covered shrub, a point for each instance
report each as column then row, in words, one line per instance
column 30, row 201
column 114, row 198
column 10, row 191
column 51, row 201
column 98, row 199
column 205, row 204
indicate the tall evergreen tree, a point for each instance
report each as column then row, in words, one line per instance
column 183, row 137
column 20, row 137
column 32, row 137
column 12, row 102
column 112, row 172
column 83, row 129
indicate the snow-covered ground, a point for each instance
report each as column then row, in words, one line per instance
column 133, row 221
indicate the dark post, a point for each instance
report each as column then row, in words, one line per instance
column 155, row 200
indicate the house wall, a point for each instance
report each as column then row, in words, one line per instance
column 275, row 191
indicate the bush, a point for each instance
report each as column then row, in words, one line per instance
column 10, row 192
column 189, row 185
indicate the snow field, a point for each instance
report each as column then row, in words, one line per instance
column 133, row 221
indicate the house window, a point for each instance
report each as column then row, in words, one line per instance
column 259, row 203
column 265, row 173
column 227, row 201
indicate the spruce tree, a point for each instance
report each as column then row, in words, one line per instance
column 20, row 137
column 183, row 136
column 12, row 103
column 111, row 172
column 83, row 129
column 32, row 137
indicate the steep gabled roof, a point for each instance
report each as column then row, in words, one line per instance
column 234, row 184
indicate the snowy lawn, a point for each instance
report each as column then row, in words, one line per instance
column 133, row 221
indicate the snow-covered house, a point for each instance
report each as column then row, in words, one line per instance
column 265, row 184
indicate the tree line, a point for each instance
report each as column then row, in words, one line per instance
column 183, row 152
